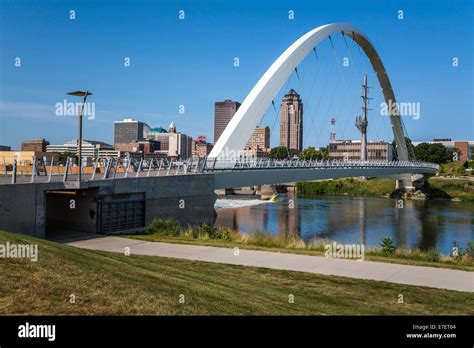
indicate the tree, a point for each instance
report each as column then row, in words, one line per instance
column 279, row 152
column 62, row 157
column 435, row 153
column 310, row 153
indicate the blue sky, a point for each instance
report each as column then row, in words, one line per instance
column 190, row 62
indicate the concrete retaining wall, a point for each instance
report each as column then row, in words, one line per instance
column 188, row 198
column 19, row 207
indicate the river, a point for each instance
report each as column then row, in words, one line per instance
column 429, row 224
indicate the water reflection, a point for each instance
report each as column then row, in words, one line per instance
column 419, row 224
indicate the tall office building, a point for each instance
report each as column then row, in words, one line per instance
column 260, row 139
column 291, row 122
column 180, row 146
column 130, row 130
column 223, row 113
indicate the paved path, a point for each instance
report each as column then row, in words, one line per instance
column 389, row 272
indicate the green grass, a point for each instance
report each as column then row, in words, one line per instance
column 438, row 188
column 451, row 188
column 456, row 168
column 111, row 283
column 354, row 187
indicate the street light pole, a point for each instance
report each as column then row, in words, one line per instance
column 79, row 140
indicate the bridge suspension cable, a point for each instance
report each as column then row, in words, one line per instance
column 252, row 109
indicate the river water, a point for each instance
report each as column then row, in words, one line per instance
column 429, row 224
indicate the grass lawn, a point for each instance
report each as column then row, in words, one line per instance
column 377, row 187
column 110, row 283
column 451, row 188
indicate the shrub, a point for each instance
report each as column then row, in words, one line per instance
column 432, row 255
column 470, row 249
column 224, row 233
column 163, row 226
column 208, row 231
column 387, row 246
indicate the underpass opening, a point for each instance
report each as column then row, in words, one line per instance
column 70, row 213
column 82, row 212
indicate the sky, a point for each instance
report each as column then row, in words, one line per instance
column 190, row 62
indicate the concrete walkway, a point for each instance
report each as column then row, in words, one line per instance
column 389, row 272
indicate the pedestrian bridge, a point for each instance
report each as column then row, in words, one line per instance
column 230, row 174
column 227, row 173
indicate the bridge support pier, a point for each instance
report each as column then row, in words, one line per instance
column 408, row 184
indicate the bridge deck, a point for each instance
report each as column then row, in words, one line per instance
column 229, row 174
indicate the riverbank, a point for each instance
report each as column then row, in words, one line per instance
column 349, row 187
column 451, row 188
column 107, row 283
column 435, row 188
column 169, row 231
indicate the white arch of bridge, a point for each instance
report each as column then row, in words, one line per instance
column 250, row 113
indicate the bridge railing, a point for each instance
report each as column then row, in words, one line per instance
column 211, row 165
column 47, row 169
column 102, row 168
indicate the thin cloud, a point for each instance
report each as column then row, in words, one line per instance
column 26, row 110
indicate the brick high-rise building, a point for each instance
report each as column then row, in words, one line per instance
column 260, row 138
column 201, row 148
column 223, row 113
column 291, row 122
column 37, row 145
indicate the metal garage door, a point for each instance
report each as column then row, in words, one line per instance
column 121, row 213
